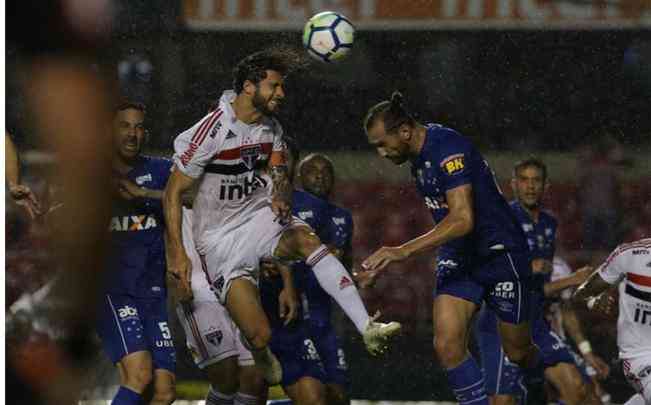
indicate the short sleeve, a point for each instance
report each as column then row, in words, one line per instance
column 195, row 148
column 454, row 164
column 612, row 270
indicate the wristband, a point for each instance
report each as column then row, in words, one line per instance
column 591, row 302
column 585, row 347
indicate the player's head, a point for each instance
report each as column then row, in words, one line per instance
column 261, row 76
column 293, row 154
column 390, row 128
column 129, row 130
column 529, row 181
column 317, row 175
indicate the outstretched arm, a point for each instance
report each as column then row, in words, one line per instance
column 282, row 186
column 573, row 327
column 457, row 223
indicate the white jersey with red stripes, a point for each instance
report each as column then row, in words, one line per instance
column 630, row 264
column 228, row 154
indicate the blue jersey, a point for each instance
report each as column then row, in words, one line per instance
column 313, row 211
column 137, row 256
column 448, row 160
column 341, row 228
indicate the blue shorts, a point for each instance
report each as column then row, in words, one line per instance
column 505, row 378
column 502, row 280
column 297, row 354
column 331, row 351
column 128, row 324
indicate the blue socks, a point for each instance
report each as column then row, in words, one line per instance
column 127, row 397
column 467, row 383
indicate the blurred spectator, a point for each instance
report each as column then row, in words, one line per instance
column 598, row 192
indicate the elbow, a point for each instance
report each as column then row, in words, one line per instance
column 466, row 223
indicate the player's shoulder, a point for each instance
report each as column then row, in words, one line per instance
column 272, row 124
column 303, row 198
column 641, row 247
column 446, row 144
column 548, row 217
column 340, row 212
column 158, row 162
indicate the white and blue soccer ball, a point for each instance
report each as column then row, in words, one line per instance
column 328, row 36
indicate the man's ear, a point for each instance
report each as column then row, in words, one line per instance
column 249, row 87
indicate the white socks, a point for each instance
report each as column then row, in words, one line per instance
column 335, row 280
column 245, row 399
column 217, row 398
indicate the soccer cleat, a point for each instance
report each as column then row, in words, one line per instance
column 377, row 334
column 271, row 368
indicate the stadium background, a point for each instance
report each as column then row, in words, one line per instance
column 534, row 80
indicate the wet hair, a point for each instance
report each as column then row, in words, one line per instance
column 254, row 67
column 392, row 112
column 292, row 147
column 131, row 105
column 531, row 162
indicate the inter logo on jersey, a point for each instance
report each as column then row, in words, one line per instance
column 454, row 163
column 133, row 223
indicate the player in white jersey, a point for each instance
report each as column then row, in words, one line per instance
column 630, row 266
column 236, row 222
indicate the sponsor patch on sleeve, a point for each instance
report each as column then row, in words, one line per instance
column 454, row 164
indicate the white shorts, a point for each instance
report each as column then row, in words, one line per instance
column 638, row 373
column 211, row 335
column 238, row 253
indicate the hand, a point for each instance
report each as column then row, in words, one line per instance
column 24, row 197
column 365, row 279
column 268, row 268
column 179, row 270
column 605, row 305
column 383, row 257
column 582, row 274
column 541, row 266
column 130, row 190
column 282, row 208
column 600, row 366
column 287, row 305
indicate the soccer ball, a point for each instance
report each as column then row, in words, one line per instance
column 328, row 36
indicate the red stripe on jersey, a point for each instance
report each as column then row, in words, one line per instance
column 626, row 247
column 639, row 279
column 206, row 130
column 207, row 124
column 232, row 154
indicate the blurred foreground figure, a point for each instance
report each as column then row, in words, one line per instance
column 68, row 105
column 628, row 268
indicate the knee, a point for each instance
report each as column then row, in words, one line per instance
column 520, row 354
column 165, row 396
column 312, row 397
column 251, row 380
column 139, row 376
column 308, row 241
column 258, row 338
column 576, row 391
column 450, row 350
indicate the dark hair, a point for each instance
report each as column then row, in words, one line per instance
column 130, row 105
column 530, row 162
column 254, row 67
column 392, row 112
column 292, row 147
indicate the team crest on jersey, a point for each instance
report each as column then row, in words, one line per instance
column 305, row 215
column 249, row 155
column 454, row 163
column 339, row 221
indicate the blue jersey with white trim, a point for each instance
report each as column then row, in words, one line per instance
column 136, row 261
column 448, row 160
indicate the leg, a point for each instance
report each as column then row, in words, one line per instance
column 336, row 394
column 518, row 344
column 137, row 371
column 503, row 400
column 224, row 381
column 569, row 383
column 307, row 391
column 164, row 387
column 452, row 317
column 253, row 388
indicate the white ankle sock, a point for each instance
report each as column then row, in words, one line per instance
column 245, row 399
column 215, row 397
column 335, row 280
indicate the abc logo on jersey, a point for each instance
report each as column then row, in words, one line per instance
column 127, row 312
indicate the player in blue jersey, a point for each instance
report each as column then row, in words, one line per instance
column 502, row 377
column 132, row 317
column 483, row 255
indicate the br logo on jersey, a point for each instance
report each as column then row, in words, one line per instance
column 249, row 155
column 453, row 164
column 133, row 223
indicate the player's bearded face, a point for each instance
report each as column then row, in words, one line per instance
column 529, row 186
column 129, row 133
column 269, row 93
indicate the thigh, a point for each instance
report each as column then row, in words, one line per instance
column 507, row 282
column 298, row 356
column 306, row 390
column 244, row 306
column 120, row 327
column 638, row 373
column 209, row 332
column 452, row 316
column 157, row 331
column 164, row 381
column 552, row 348
column 297, row 242
column 565, row 377
column 453, row 278
column 229, row 260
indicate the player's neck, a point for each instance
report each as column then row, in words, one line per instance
column 534, row 212
column 418, row 140
column 245, row 111
column 122, row 166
